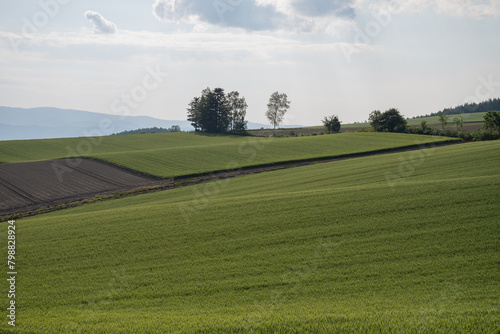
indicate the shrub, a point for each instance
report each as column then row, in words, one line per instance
column 365, row 130
column 492, row 120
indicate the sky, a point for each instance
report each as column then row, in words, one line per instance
column 330, row 57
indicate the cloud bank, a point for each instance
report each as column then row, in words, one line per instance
column 255, row 15
column 304, row 15
column 101, row 25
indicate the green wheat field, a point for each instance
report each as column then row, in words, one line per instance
column 397, row 243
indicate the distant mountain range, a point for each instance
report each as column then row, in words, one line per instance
column 41, row 123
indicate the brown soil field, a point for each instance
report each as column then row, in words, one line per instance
column 31, row 185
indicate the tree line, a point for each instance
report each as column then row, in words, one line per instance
column 173, row 128
column 485, row 106
column 392, row 121
column 217, row 112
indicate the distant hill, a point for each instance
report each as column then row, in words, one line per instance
column 42, row 123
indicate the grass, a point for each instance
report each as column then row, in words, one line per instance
column 434, row 120
column 400, row 243
column 431, row 120
column 177, row 154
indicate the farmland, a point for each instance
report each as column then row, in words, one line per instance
column 169, row 155
column 31, row 185
column 434, row 120
column 405, row 242
column 472, row 121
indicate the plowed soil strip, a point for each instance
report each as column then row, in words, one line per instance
column 32, row 185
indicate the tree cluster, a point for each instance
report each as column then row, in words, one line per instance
column 216, row 112
column 389, row 121
column 332, row 124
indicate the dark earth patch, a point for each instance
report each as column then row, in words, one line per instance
column 31, row 185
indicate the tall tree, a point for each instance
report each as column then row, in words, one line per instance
column 193, row 114
column 237, row 111
column 276, row 109
column 207, row 110
column 221, row 110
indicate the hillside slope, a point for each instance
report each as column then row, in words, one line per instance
column 406, row 242
column 176, row 154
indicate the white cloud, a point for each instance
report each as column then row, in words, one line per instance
column 101, row 25
column 257, row 15
column 304, row 16
column 164, row 10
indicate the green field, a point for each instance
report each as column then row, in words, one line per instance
column 168, row 155
column 400, row 243
column 434, row 120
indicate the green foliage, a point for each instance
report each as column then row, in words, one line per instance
column 173, row 128
column 213, row 109
column 492, row 121
column 276, row 109
column 389, row 121
column 478, row 135
column 365, row 130
column 194, row 115
column 332, row 124
column 214, row 112
column 459, row 122
column 176, row 154
column 327, row 248
column 443, row 119
column 237, row 112
column 434, row 120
